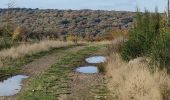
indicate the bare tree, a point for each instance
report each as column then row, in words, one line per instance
column 8, row 25
column 10, row 5
column 168, row 10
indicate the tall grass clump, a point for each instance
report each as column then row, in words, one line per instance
column 102, row 68
column 134, row 81
column 149, row 37
column 29, row 49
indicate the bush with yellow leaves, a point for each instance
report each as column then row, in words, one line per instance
column 72, row 37
column 17, row 33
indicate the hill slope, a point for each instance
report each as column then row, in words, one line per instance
column 41, row 23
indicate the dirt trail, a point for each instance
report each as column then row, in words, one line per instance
column 82, row 86
column 88, row 86
column 38, row 66
column 42, row 64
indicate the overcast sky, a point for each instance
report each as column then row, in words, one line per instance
column 125, row 5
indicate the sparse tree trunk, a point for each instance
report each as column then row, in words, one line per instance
column 168, row 11
column 8, row 25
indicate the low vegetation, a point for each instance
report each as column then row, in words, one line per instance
column 102, row 68
column 87, row 24
column 55, row 82
column 12, row 59
column 150, row 37
column 138, row 67
column 29, row 49
column 134, row 81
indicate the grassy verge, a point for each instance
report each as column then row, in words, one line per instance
column 134, row 81
column 54, row 82
column 29, row 49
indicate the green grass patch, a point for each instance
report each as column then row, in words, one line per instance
column 13, row 66
column 54, row 82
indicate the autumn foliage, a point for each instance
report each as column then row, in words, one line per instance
column 17, row 33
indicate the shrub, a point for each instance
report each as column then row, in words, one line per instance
column 17, row 33
column 102, row 68
column 72, row 37
column 6, row 43
column 141, row 37
column 160, row 51
column 149, row 37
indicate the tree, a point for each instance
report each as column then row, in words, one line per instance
column 142, row 36
column 8, row 24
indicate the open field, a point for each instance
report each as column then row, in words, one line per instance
column 84, row 54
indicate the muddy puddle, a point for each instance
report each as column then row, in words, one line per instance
column 12, row 85
column 96, row 59
column 87, row 69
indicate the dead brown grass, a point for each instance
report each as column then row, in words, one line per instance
column 134, row 81
column 29, row 49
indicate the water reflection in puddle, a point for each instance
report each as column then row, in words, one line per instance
column 12, row 85
column 87, row 69
column 96, row 59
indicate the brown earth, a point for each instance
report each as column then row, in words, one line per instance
column 83, row 86
column 88, row 86
column 42, row 64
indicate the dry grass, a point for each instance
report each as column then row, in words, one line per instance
column 134, row 81
column 116, row 44
column 29, row 49
column 104, row 42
